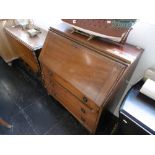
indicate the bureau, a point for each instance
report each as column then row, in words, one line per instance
column 83, row 75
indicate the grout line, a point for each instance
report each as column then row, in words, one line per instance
column 24, row 108
column 21, row 110
column 28, row 119
column 45, row 133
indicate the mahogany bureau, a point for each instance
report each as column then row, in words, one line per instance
column 84, row 76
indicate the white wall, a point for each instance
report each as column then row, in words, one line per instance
column 46, row 23
column 143, row 35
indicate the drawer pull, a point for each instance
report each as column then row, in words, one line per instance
column 83, row 110
column 85, row 99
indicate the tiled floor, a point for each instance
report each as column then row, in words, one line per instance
column 24, row 103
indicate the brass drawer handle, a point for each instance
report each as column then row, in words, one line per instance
column 85, row 99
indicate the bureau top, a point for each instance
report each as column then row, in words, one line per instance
column 126, row 53
column 33, row 43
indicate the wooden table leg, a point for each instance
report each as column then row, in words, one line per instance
column 5, row 124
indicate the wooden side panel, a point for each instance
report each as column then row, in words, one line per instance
column 25, row 54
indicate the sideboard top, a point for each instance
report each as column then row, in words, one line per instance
column 33, row 43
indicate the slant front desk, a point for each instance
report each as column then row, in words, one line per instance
column 84, row 76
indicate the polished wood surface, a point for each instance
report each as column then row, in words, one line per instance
column 33, row 43
column 26, row 46
column 82, row 76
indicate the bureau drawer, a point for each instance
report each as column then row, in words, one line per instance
column 85, row 115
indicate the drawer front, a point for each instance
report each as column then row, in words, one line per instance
column 85, row 115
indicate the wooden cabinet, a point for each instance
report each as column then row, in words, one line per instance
column 27, row 48
column 83, row 75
